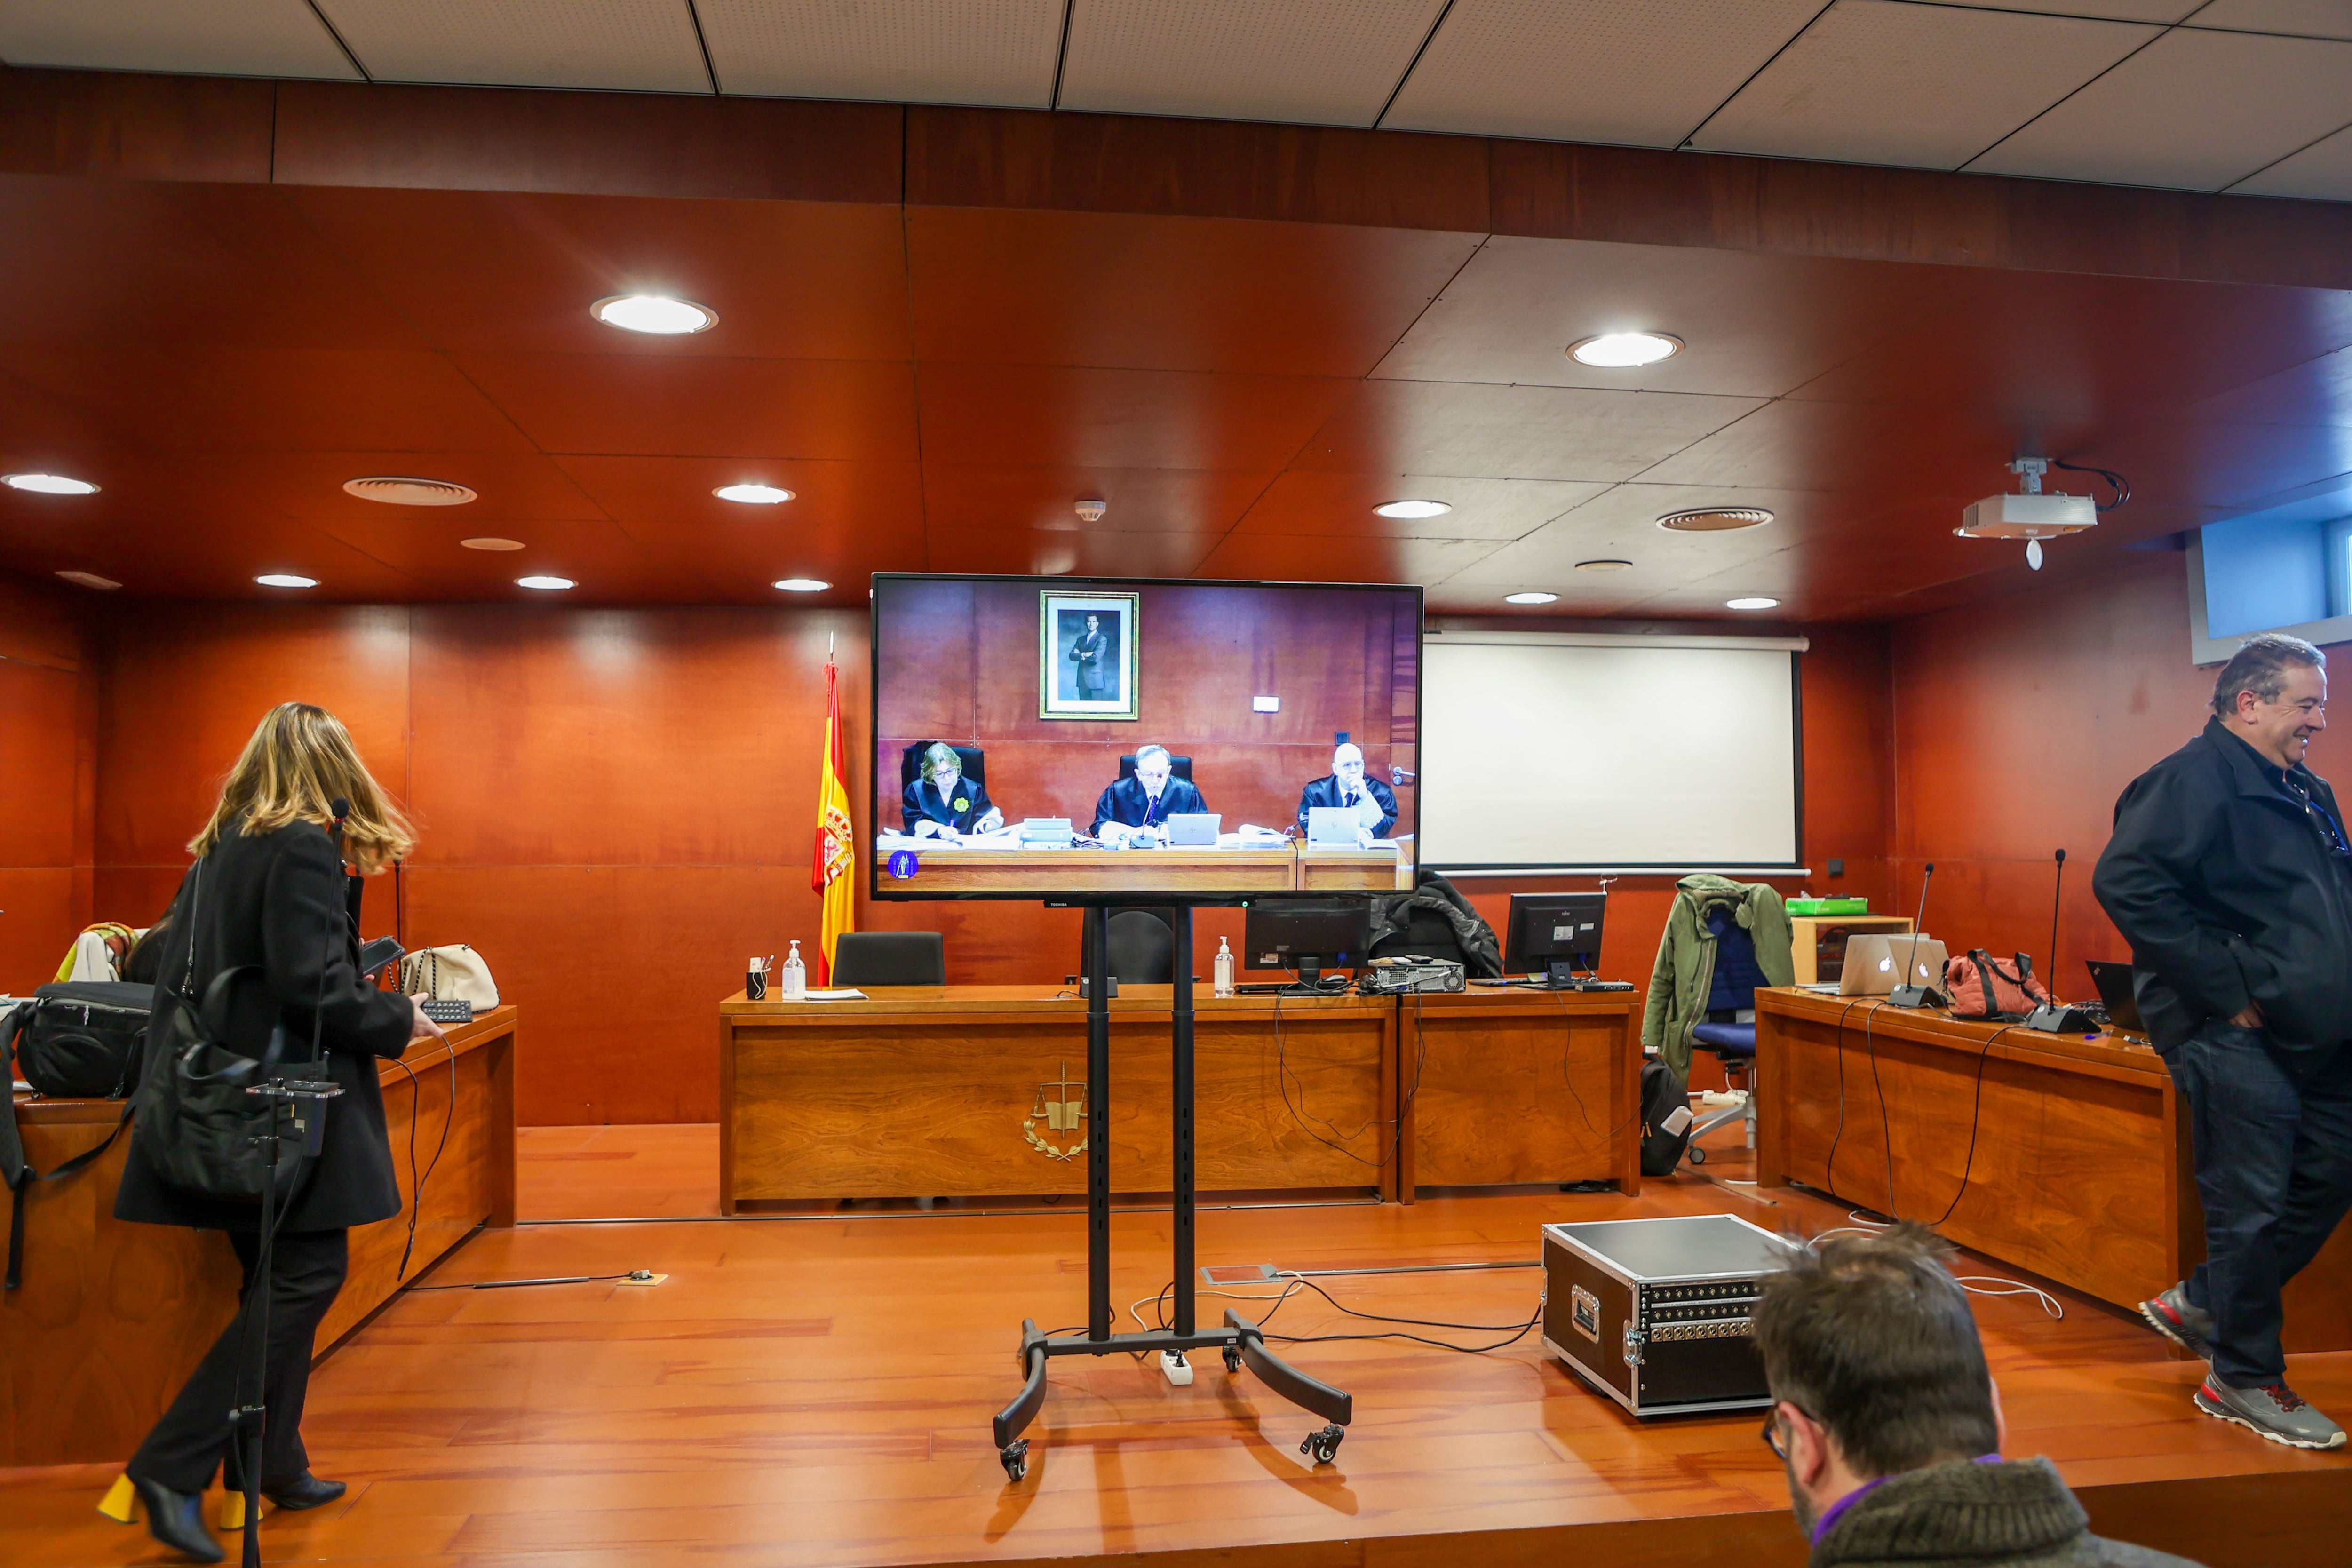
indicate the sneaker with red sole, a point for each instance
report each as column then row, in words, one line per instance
column 2274, row 1411
column 2170, row 1314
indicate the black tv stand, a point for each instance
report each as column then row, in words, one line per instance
column 1240, row 1341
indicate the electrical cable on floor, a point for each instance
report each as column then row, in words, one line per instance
column 642, row 1274
column 1518, row 1330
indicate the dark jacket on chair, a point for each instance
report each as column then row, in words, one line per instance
column 282, row 901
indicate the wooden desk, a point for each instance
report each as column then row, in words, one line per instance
column 1355, row 870
column 924, row 1091
column 113, row 1316
column 2081, row 1170
column 1504, row 1086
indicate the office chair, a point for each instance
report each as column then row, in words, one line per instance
column 1142, row 948
column 1731, row 991
column 976, row 762
column 889, row 958
column 1178, row 767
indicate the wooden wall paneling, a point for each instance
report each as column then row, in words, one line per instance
column 47, row 712
column 124, row 125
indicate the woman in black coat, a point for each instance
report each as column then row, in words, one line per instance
column 268, row 890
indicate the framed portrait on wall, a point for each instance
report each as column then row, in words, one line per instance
column 1087, row 655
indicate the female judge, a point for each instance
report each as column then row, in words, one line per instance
column 269, row 891
column 941, row 803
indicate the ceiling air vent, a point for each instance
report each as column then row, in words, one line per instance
column 399, row 492
column 1715, row 519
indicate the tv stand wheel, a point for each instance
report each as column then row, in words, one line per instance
column 1323, row 1446
column 1698, row 1155
column 1232, row 1358
column 1015, row 1457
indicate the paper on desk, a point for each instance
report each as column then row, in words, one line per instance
column 834, row 994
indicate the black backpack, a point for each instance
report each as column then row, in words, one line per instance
column 1665, row 1135
column 79, row 1040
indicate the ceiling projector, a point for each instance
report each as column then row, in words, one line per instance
column 2031, row 516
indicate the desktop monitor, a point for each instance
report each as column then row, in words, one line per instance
column 1555, row 934
column 1305, row 935
column 1138, row 741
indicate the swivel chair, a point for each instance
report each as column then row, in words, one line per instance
column 1179, row 767
column 890, row 958
column 1142, row 948
column 1730, row 992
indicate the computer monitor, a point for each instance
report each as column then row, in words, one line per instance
column 1553, row 935
column 1307, row 935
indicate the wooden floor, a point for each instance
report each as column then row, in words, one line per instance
column 817, row 1391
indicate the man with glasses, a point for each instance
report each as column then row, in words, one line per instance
column 1886, row 1419
column 2229, row 874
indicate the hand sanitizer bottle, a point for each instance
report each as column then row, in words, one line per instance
column 795, row 974
column 1224, row 970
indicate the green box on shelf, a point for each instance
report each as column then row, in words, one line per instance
column 1829, row 906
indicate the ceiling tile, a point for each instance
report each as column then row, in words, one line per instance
column 2320, row 173
column 1289, row 557
column 1852, row 448
column 647, row 46
column 1642, row 72
column 1043, row 499
column 2195, row 110
column 208, row 37
column 979, row 416
column 2316, row 392
column 1323, row 62
column 2310, row 18
column 1885, row 82
column 2109, row 10
column 1751, row 325
column 1339, row 506
column 1622, row 524
column 998, row 52
column 1053, row 553
column 1512, row 432
column 686, row 405
column 654, row 498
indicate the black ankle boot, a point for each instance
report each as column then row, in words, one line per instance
column 305, row 1490
column 177, row 1519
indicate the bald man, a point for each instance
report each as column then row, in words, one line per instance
column 1374, row 803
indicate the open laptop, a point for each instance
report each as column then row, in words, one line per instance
column 1333, row 826
column 1875, row 962
column 1194, row 829
column 2114, row 983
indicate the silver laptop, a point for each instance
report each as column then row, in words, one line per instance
column 1875, row 962
column 1193, row 829
column 1333, row 826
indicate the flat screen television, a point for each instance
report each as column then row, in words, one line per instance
column 1104, row 740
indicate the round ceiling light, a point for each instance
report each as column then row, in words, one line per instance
column 550, row 585
column 286, row 580
column 1715, row 518
column 804, row 584
column 1413, row 508
column 49, row 484
column 1532, row 596
column 487, row 543
column 399, row 490
column 753, row 495
column 654, row 313
column 1604, row 565
column 1624, row 350
column 1753, row 602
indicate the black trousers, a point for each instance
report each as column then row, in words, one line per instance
column 306, row 1272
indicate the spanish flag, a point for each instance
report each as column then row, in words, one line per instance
column 836, row 839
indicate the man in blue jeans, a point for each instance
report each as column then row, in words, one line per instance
column 2231, row 876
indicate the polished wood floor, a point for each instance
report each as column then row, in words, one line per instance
column 816, row 1391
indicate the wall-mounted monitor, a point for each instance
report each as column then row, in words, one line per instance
column 1100, row 739
column 2284, row 569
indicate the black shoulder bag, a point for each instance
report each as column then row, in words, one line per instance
column 77, row 1041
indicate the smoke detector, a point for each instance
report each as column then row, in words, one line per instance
column 2030, row 515
column 396, row 490
column 1091, row 510
column 1715, row 518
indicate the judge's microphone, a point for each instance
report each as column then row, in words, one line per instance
column 1909, row 995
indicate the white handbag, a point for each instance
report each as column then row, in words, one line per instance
column 456, row 973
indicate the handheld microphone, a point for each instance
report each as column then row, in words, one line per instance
column 1909, row 995
column 2053, row 1017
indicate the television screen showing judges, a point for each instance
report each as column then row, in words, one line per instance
column 1050, row 737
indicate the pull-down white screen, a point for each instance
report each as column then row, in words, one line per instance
column 1538, row 753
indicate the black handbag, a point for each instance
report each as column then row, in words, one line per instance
column 80, row 1040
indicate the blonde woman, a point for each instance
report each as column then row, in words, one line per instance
column 942, row 803
column 268, row 890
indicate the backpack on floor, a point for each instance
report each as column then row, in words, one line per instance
column 1666, row 1119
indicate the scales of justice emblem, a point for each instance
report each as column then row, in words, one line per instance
column 1061, row 1106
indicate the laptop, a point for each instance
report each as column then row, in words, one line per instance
column 2114, row 983
column 1193, row 829
column 1874, row 963
column 1332, row 826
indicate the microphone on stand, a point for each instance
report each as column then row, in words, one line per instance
column 1908, row 994
column 2052, row 1017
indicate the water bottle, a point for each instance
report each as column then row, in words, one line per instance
column 1224, row 985
column 795, row 975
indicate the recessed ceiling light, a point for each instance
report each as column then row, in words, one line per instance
column 91, row 580
column 551, row 584
column 286, row 580
column 753, row 495
column 654, row 313
column 402, row 490
column 49, row 484
column 1413, row 508
column 804, row 584
column 1603, row 565
column 1622, row 351
column 487, row 543
column 1754, row 602
column 1531, row 597
column 1715, row 518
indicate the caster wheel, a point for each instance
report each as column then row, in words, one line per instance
column 1323, row 1446
column 1233, row 1358
column 1698, row 1155
column 1015, row 1457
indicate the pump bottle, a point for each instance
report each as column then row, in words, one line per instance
column 795, row 974
column 1224, row 985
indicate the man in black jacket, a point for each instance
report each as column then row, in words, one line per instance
column 2231, row 876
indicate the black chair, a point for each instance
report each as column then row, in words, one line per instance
column 976, row 762
column 1142, row 948
column 1182, row 767
column 889, row 958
